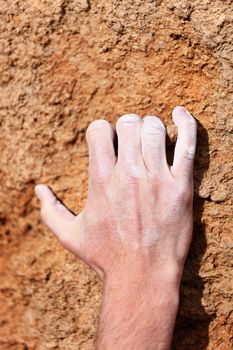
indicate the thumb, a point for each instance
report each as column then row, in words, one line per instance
column 55, row 215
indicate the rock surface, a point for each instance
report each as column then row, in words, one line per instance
column 64, row 63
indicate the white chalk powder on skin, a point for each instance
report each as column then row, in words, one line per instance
column 150, row 237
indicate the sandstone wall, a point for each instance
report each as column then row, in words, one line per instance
column 64, row 63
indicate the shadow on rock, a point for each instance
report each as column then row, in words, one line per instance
column 191, row 330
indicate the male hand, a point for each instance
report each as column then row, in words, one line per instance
column 136, row 227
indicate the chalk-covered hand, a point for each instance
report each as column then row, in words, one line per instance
column 135, row 229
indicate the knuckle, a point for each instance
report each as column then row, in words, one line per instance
column 189, row 154
column 131, row 179
column 128, row 172
column 183, row 196
column 151, row 145
column 131, row 187
column 131, row 168
column 100, row 175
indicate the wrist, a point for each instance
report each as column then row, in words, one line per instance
column 141, row 276
column 149, row 287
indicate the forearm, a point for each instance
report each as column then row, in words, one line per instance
column 137, row 314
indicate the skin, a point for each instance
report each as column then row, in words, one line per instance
column 136, row 227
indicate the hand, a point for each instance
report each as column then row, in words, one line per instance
column 138, row 210
column 136, row 225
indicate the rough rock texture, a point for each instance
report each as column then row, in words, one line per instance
column 64, row 63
